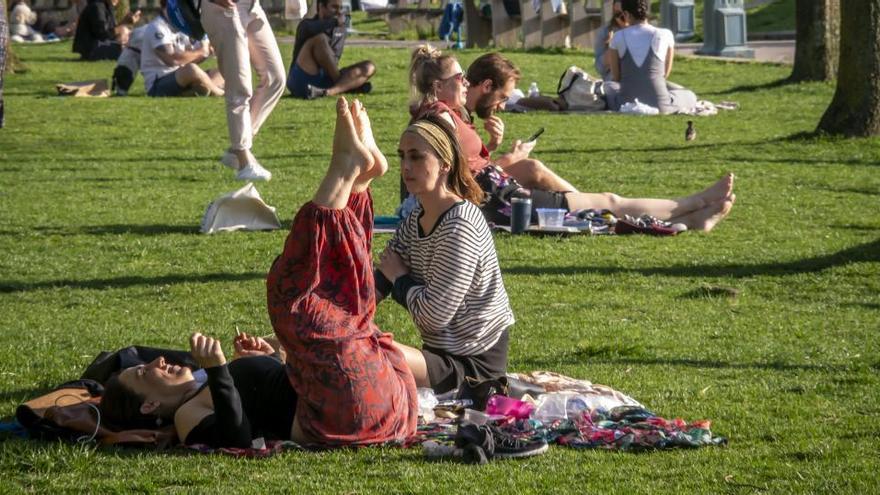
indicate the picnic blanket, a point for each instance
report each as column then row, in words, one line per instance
column 599, row 418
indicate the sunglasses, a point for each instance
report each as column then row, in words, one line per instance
column 458, row 77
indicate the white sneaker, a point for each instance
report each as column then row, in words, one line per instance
column 253, row 171
column 230, row 160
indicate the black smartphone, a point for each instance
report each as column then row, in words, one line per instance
column 535, row 135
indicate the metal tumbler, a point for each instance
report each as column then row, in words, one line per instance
column 520, row 214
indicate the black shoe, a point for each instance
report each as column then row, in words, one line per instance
column 509, row 447
column 365, row 88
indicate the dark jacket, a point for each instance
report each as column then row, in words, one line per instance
column 96, row 23
column 310, row 27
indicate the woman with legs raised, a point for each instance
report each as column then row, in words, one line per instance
column 344, row 381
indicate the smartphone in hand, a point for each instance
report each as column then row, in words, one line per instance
column 535, row 136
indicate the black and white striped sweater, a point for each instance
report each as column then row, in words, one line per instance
column 454, row 290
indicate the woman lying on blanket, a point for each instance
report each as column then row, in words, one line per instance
column 346, row 383
column 441, row 265
column 443, row 88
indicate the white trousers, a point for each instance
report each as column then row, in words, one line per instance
column 242, row 38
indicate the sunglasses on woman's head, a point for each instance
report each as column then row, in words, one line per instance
column 457, row 76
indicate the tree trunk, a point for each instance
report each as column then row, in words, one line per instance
column 818, row 35
column 855, row 108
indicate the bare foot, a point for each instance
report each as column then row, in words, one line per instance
column 365, row 133
column 707, row 218
column 349, row 152
column 717, row 191
column 350, row 159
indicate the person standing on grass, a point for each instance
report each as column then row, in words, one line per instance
column 314, row 68
column 242, row 38
column 169, row 61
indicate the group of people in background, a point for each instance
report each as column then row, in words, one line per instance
column 329, row 376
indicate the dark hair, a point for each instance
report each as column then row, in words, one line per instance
column 492, row 66
column 638, row 9
column 121, row 407
column 426, row 67
column 461, row 180
column 323, row 2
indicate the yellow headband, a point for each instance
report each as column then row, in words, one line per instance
column 436, row 138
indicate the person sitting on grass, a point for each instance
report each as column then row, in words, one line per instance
column 169, row 61
column 441, row 265
column 438, row 80
column 314, row 68
column 640, row 60
column 98, row 37
column 344, row 382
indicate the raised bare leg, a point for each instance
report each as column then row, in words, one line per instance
column 350, row 159
column 365, row 133
column 316, row 54
column 707, row 218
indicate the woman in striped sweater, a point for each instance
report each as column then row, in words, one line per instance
column 442, row 267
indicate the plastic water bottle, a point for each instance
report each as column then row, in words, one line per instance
column 427, row 401
column 533, row 90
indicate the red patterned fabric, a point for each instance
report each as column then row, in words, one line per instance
column 354, row 388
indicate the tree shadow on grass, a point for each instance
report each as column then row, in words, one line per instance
column 583, row 357
column 125, row 282
column 853, row 190
column 114, row 229
column 751, row 88
column 797, row 137
column 868, row 252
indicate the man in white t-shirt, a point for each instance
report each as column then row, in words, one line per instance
column 169, row 62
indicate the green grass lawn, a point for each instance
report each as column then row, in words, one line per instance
column 100, row 202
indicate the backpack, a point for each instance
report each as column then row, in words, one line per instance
column 71, row 411
column 580, row 91
column 186, row 16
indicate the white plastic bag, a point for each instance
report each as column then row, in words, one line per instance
column 427, row 402
column 239, row 210
column 638, row 108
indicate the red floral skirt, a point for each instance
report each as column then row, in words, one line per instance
column 353, row 386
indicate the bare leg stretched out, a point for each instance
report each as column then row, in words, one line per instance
column 712, row 199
